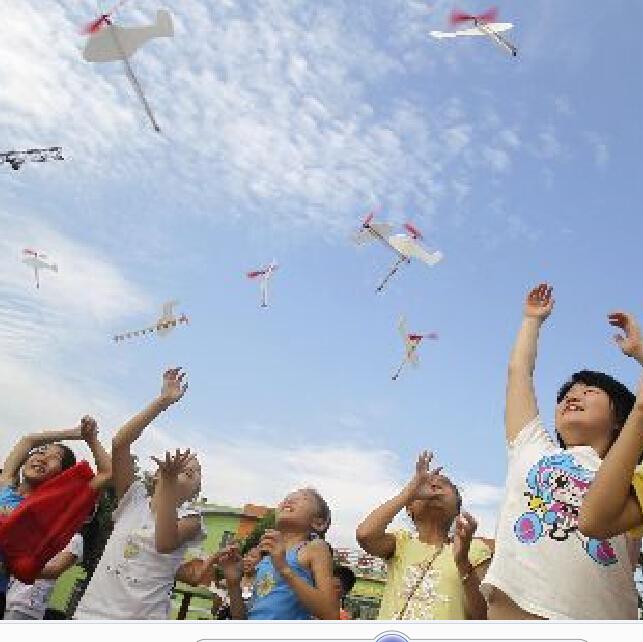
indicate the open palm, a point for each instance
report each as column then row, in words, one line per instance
column 539, row 303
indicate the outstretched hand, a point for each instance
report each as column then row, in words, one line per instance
column 418, row 487
column 173, row 387
column 539, row 303
column 630, row 342
column 88, row 428
column 173, row 465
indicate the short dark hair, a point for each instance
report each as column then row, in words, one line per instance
column 621, row 399
column 68, row 459
column 323, row 511
column 346, row 576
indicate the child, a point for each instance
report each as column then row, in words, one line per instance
column 293, row 580
column 543, row 566
column 135, row 575
column 614, row 503
column 39, row 458
column 29, row 601
column 343, row 582
column 430, row 576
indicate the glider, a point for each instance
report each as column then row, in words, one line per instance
column 405, row 245
column 36, row 260
column 411, row 344
column 264, row 275
column 108, row 42
column 483, row 24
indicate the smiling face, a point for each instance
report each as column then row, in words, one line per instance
column 441, row 500
column 43, row 464
column 302, row 511
column 584, row 417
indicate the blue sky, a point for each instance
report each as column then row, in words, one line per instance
column 283, row 123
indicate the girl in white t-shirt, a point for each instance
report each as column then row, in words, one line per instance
column 544, row 567
column 135, row 575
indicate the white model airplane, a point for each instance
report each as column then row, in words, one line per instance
column 36, row 260
column 108, row 42
column 411, row 344
column 405, row 245
column 483, row 25
column 264, row 274
column 163, row 326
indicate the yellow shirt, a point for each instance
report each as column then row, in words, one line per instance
column 637, row 483
column 440, row 594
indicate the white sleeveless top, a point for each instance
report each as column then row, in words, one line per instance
column 542, row 561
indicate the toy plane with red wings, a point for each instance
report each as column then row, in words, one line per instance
column 36, row 260
column 411, row 344
column 107, row 42
column 163, row 326
column 263, row 275
column 483, row 24
column 406, row 245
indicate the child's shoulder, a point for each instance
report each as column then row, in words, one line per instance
column 314, row 548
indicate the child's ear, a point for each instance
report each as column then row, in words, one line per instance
column 320, row 525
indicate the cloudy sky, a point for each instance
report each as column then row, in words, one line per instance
column 283, row 122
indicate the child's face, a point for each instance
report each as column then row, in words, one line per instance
column 299, row 510
column 189, row 480
column 438, row 496
column 43, row 464
column 584, row 415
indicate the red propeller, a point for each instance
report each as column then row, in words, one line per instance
column 458, row 17
column 97, row 24
column 413, row 231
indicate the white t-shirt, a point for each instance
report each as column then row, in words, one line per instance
column 542, row 561
column 32, row 599
column 132, row 580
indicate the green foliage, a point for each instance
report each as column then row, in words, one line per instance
column 265, row 523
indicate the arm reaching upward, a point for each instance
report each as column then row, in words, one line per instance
column 371, row 533
column 89, row 432
column 172, row 391
column 521, row 406
column 609, row 507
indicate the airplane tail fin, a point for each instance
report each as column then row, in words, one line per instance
column 164, row 26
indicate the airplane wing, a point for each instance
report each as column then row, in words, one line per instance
column 370, row 233
column 117, row 43
column 473, row 31
column 410, row 248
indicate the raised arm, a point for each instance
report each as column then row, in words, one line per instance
column 231, row 565
column 319, row 599
column 521, row 406
column 609, row 507
column 170, row 532
column 26, row 444
column 172, row 390
column 89, row 432
column 371, row 533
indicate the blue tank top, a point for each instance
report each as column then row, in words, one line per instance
column 9, row 499
column 272, row 598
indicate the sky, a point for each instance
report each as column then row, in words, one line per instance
column 283, row 122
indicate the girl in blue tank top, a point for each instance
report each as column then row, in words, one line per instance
column 294, row 579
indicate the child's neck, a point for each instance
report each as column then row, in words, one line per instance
column 293, row 538
column 432, row 533
column 24, row 488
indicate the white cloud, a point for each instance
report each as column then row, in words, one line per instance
column 599, row 149
column 498, row 159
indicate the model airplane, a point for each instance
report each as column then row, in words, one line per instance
column 405, row 245
column 482, row 25
column 163, row 326
column 411, row 344
column 36, row 260
column 108, row 42
column 264, row 275
column 38, row 155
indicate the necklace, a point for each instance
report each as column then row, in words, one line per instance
column 425, row 567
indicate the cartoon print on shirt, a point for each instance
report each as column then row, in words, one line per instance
column 265, row 584
column 557, row 485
